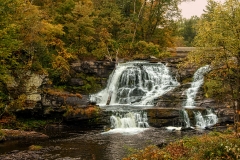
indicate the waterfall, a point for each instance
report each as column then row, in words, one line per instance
column 198, row 80
column 208, row 120
column 128, row 122
column 136, row 83
column 186, row 118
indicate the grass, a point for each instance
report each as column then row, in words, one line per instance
column 214, row 145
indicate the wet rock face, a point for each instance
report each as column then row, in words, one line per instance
column 173, row 98
column 64, row 99
column 100, row 69
column 162, row 117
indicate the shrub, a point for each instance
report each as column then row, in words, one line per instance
column 215, row 145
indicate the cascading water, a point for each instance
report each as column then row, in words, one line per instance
column 198, row 80
column 208, row 120
column 136, row 84
column 186, row 118
column 201, row 121
column 128, row 122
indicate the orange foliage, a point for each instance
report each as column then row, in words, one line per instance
column 149, row 153
column 177, row 150
column 87, row 111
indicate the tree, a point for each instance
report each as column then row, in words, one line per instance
column 77, row 20
column 187, row 29
column 218, row 42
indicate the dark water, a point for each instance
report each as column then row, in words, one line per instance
column 77, row 143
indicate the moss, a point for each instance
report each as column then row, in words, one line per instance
column 187, row 80
column 35, row 147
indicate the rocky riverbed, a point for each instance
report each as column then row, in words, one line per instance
column 76, row 143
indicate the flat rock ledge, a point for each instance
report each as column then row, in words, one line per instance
column 10, row 134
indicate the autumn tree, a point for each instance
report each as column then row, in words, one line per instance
column 27, row 38
column 218, row 42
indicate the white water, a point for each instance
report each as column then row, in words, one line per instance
column 186, row 118
column 198, row 80
column 208, row 120
column 137, row 84
column 201, row 121
column 128, row 123
column 172, row 128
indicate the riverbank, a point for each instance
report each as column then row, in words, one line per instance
column 215, row 145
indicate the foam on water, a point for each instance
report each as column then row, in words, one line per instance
column 128, row 122
column 126, row 131
column 136, row 84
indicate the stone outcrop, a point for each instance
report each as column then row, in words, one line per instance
column 163, row 117
column 44, row 101
column 98, row 69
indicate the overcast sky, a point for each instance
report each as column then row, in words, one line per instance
column 194, row 8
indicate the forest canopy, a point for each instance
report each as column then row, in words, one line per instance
column 44, row 37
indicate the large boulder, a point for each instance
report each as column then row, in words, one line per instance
column 161, row 117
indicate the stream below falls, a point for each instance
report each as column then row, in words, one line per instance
column 76, row 143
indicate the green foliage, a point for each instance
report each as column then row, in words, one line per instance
column 32, row 124
column 187, row 30
column 216, row 89
column 147, row 49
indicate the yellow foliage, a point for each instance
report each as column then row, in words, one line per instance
column 50, row 29
column 18, row 103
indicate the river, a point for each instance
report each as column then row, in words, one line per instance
column 86, row 144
